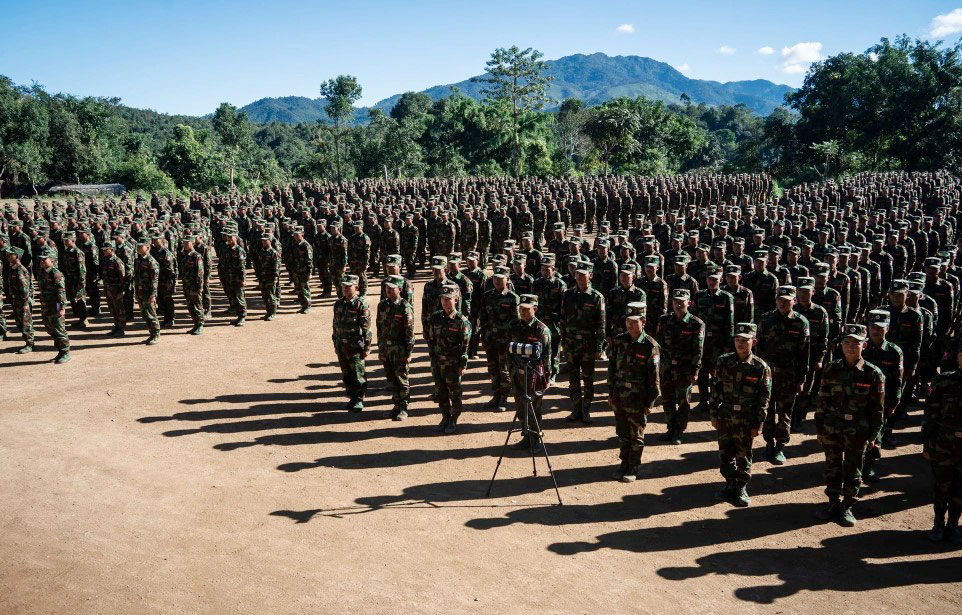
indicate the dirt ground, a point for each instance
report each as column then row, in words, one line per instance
column 221, row 474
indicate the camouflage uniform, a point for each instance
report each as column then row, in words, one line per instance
column 302, row 262
column 717, row 310
column 409, row 246
column 448, row 338
column 783, row 343
column 234, row 278
column 942, row 439
column 533, row 332
column 146, row 276
column 114, row 274
column 352, row 341
column 21, row 297
column 395, row 343
column 53, row 298
column 192, row 278
column 498, row 311
column 270, row 272
column 682, row 342
column 167, row 284
column 583, row 336
column 358, row 255
column 550, row 298
column 74, row 269
column 337, row 264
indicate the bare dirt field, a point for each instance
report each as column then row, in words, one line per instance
column 221, row 474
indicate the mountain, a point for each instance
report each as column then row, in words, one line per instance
column 593, row 78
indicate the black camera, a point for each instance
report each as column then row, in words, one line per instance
column 526, row 351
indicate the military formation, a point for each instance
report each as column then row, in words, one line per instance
column 830, row 306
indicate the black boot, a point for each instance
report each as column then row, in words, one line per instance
column 952, row 529
column 523, row 443
column 493, row 403
column 443, row 424
column 620, row 472
column 575, row 414
column 725, row 493
column 452, row 425
column 937, row 533
column 830, row 511
column 586, row 414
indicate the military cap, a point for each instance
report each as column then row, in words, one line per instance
column 527, row 235
column 438, row 262
column 747, row 330
column 739, row 241
column 107, row 246
column 519, row 259
column 677, row 237
column 394, row 281
column 637, row 309
column 628, row 268
column 584, row 266
column 349, row 280
column 264, row 237
column 499, row 259
column 357, row 223
column 70, row 235
column 822, row 269
column 855, row 331
column 45, row 253
column 652, row 261
column 15, row 251
column 559, row 226
column 681, row 294
column 510, row 243
column 681, row 259
column 760, row 254
column 473, row 254
column 449, row 290
column 144, row 240
column 933, row 261
column 733, row 270
column 529, row 300
column 547, row 260
column 878, row 317
column 335, row 224
column 806, row 282
column 899, row 286
column 297, row 229
column 723, row 224
column 916, row 287
column 776, row 250
column 454, row 258
column 794, row 250
column 702, row 247
column 719, row 243
column 500, row 272
column 786, row 291
column 393, row 259
column 603, row 243
column 713, row 271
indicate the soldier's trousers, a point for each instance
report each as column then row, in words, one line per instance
column 708, row 362
column 269, row 295
column 410, row 264
column 483, row 256
column 93, row 296
column 555, row 367
column 735, row 451
column 165, row 299
column 302, row 288
column 194, row 298
column 205, row 294
column 448, row 382
column 374, row 263
column 777, row 425
column 397, row 366
column 496, row 358
column 581, row 374
column 336, row 272
column 631, row 418
column 115, row 301
column 676, row 396
column 359, row 269
column 844, row 457
column 23, row 316
column 352, row 370
column 947, row 478
column 3, row 320
column 78, row 302
column 236, row 297
column 534, row 388
column 56, row 328
column 475, row 338
column 148, row 309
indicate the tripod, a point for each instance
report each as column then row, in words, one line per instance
column 529, row 417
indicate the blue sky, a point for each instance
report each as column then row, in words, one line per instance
column 187, row 57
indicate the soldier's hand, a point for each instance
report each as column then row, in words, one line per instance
column 62, row 313
column 461, row 372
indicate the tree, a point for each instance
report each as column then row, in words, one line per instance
column 188, row 159
column 235, row 134
column 571, row 142
column 611, row 129
column 341, row 94
column 518, row 78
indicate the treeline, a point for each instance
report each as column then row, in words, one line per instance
column 898, row 105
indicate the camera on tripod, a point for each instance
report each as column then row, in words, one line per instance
column 532, row 352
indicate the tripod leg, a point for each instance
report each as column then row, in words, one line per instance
column 503, row 450
column 547, row 459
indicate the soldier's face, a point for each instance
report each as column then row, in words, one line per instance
column 713, row 282
column 526, row 312
column 447, row 303
column 877, row 333
column 852, row 349
column 349, row 290
column 583, row 279
column 897, row 299
column 680, row 307
column 393, row 293
column 743, row 345
column 634, row 326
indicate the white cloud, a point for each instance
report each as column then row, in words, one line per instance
column 944, row 25
column 795, row 59
column 765, row 51
column 873, row 56
column 683, row 67
column 626, row 28
column 725, row 50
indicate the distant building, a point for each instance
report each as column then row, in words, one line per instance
column 90, row 189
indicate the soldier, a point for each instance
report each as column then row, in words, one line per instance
column 448, row 334
column 550, row 290
column 352, row 340
column 431, row 293
column 146, row 278
column 395, row 343
column 21, row 296
column 656, row 293
column 633, row 385
column 681, row 336
column 583, row 337
column 905, row 331
column 744, row 300
column 740, row 392
column 337, row 264
column 207, row 254
column 302, row 262
column 113, row 271
column 389, row 243
column 359, row 254
column 73, row 264
column 888, row 358
column 521, row 281
column 848, row 418
column 818, row 329
column 234, row 277
column 167, row 281
column 618, row 299
column 322, row 257
column 392, row 266
column 716, row 308
column 53, row 300
column 784, row 344
column 270, row 272
column 499, row 308
column 92, row 267
column 528, row 329
column 125, row 252
column 409, row 245
column 942, row 448
column 192, row 278
column 763, row 285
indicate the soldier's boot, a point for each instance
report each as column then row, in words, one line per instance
column 118, row 333
column 523, row 443
column 197, row 330
column 586, row 413
column 402, row 412
column 493, row 403
column 868, row 470
column 829, row 511
column 676, row 436
column 778, row 456
column 270, row 316
column 62, row 357
column 440, row 427
column 847, row 518
column 152, row 340
column 452, row 425
column 620, row 472
column 239, row 322
column 575, row 414
column 725, row 493
column 168, row 323
column 742, row 498
column 502, row 403
column 937, row 533
column 631, row 474
column 26, row 349
column 357, row 404
column 770, row 451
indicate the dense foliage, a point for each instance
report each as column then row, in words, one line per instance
column 898, row 105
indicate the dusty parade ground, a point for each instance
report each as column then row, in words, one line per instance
column 221, row 474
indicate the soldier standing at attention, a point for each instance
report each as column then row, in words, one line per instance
column 114, row 274
column 551, row 290
column 146, row 277
column 681, row 337
column 448, row 334
column 395, row 343
column 270, row 273
column 92, row 265
column 352, row 340
column 301, row 265
column 478, row 278
column 73, row 264
column 848, row 418
column 359, row 255
column 21, row 296
column 528, row 329
column 583, row 336
column 499, row 307
column 53, row 300
column 168, row 279
column 784, row 344
column 741, row 389
column 207, row 258
column 888, row 358
column 633, row 386
column 716, row 308
column 942, row 447
column 337, row 264
column 409, row 245
column 192, row 274
column 234, row 276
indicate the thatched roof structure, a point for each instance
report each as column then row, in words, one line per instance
column 90, row 188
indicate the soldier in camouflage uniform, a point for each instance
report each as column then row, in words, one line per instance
column 392, row 266
column 528, row 329
column 656, row 293
column 716, row 308
column 167, row 284
column 395, row 343
column 410, row 236
column 270, row 272
column 633, row 387
column 550, row 289
column 352, row 340
column 125, row 252
column 942, row 447
column 53, row 301
column 302, row 262
column 146, row 278
column 21, row 297
column 448, row 334
column 818, row 326
column 681, row 336
column 337, row 264
column 741, row 389
column 113, row 271
column 499, row 308
column 905, row 331
column 888, row 358
column 478, row 278
column 359, row 254
column 73, row 265
column 784, row 344
column 848, row 419
column 322, row 257
column 192, row 278
column 583, row 337
column 207, row 254
column 92, row 265
column 234, row 277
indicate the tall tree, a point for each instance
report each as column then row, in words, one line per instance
column 235, row 134
column 341, row 93
column 516, row 77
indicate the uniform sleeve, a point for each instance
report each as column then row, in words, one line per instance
column 764, row 396
column 824, row 398
column 801, row 360
column 600, row 325
column 654, row 377
column 61, row 289
column 546, row 345
column 463, row 342
column 699, row 345
column 714, row 394
column 364, row 322
column 409, row 327
column 893, row 385
column 875, row 406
